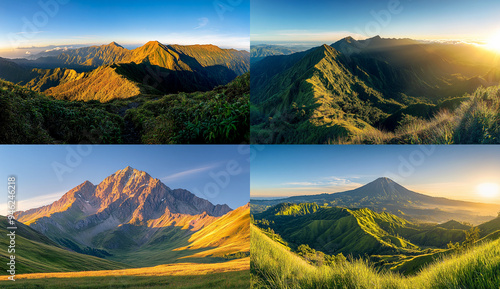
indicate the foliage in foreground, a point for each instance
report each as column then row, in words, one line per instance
column 472, row 119
column 229, row 280
column 32, row 118
column 273, row 266
column 475, row 121
column 217, row 116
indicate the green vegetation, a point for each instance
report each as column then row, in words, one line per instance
column 229, row 280
column 27, row 117
column 36, row 253
column 272, row 266
column 475, row 121
column 384, row 240
column 383, row 91
column 217, row 116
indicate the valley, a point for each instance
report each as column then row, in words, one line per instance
column 377, row 90
column 380, row 232
column 132, row 225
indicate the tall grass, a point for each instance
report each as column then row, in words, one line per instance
column 272, row 266
column 475, row 121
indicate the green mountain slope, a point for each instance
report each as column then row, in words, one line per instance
column 331, row 230
column 133, row 218
column 35, row 253
column 217, row 116
column 334, row 93
column 273, row 266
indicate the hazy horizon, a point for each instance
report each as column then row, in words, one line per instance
column 333, row 20
column 449, row 172
column 20, row 52
column 59, row 23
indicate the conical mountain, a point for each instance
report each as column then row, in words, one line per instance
column 387, row 189
column 385, row 195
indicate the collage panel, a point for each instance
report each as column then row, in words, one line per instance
column 137, row 150
column 124, row 72
column 125, row 217
column 375, row 217
column 375, row 72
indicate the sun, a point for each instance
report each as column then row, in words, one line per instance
column 494, row 42
column 488, row 190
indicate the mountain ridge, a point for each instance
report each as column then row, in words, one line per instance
column 130, row 212
column 110, row 71
column 367, row 85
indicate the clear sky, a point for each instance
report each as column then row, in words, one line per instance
column 331, row 20
column 198, row 169
column 456, row 172
column 68, row 22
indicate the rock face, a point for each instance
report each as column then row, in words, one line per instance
column 127, row 199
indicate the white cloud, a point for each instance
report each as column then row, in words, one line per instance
column 343, row 182
column 59, row 48
column 32, row 203
column 202, row 22
column 190, row 172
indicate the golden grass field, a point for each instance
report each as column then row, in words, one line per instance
column 179, row 269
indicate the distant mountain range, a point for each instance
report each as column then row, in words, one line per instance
column 130, row 213
column 261, row 51
column 385, row 195
column 336, row 91
column 110, row 71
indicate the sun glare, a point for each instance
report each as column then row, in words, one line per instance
column 488, row 190
column 494, row 42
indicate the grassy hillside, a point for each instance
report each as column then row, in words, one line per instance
column 232, row 274
column 27, row 117
column 272, row 266
column 331, row 230
column 227, row 236
column 217, row 116
column 352, row 90
column 36, row 253
column 475, row 121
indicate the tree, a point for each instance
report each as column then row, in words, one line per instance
column 471, row 236
column 453, row 245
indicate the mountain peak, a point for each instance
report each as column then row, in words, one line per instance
column 384, row 179
column 349, row 39
column 153, row 43
column 114, row 44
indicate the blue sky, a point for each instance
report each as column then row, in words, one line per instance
column 72, row 22
column 447, row 171
column 188, row 167
column 327, row 21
